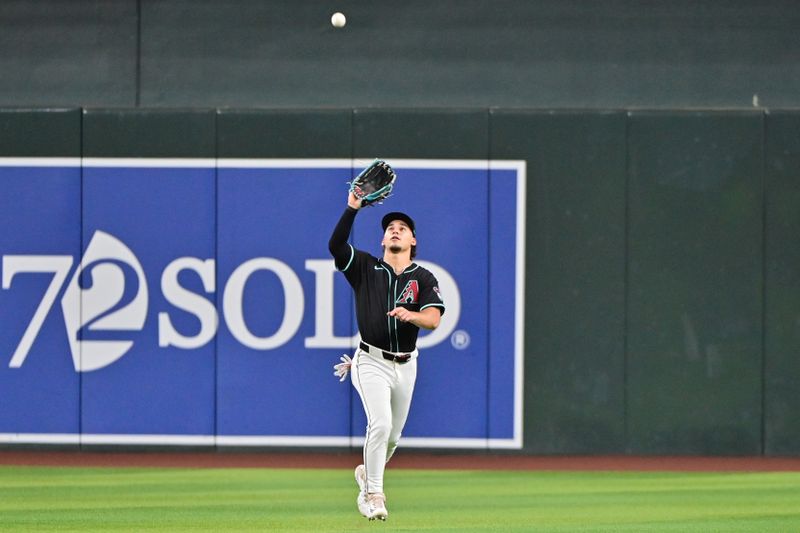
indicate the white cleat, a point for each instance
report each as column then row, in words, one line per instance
column 361, row 480
column 376, row 506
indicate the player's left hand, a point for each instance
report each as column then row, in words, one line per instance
column 402, row 314
column 340, row 370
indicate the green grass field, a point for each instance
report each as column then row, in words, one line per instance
column 150, row 499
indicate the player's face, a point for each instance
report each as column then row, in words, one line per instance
column 398, row 237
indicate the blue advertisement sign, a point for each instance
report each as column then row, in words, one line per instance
column 139, row 226
column 39, row 242
column 287, row 316
column 195, row 302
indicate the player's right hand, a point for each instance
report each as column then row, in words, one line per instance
column 340, row 370
column 353, row 202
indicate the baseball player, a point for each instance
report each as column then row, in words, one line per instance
column 394, row 297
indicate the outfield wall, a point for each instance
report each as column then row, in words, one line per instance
column 649, row 259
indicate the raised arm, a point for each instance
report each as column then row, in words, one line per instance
column 337, row 245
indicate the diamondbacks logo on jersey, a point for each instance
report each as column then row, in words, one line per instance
column 410, row 294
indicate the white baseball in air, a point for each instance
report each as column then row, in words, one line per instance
column 338, row 20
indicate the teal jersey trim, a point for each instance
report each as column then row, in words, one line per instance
column 389, row 306
column 352, row 256
column 396, row 336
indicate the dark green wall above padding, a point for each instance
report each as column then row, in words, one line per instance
column 453, row 53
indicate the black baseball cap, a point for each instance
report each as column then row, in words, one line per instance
column 396, row 215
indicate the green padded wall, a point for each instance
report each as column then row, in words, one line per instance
column 40, row 132
column 421, row 133
column 288, row 134
column 285, row 133
column 180, row 201
column 694, row 282
column 782, row 291
column 148, row 133
column 575, row 263
column 661, row 248
column 42, row 394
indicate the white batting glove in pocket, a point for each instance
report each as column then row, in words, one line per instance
column 340, row 370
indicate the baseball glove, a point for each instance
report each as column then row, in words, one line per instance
column 374, row 184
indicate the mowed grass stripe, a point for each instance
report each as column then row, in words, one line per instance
column 150, row 499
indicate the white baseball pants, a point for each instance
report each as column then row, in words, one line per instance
column 385, row 388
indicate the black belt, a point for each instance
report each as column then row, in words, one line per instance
column 389, row 356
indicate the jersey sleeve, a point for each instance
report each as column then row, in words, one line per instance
column 354, row 270
column 341, row 250
column 430, row 296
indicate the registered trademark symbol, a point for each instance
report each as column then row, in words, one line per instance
column 460, row 339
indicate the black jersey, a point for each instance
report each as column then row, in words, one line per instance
column 378, row 290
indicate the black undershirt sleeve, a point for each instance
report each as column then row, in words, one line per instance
column 338, row 246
